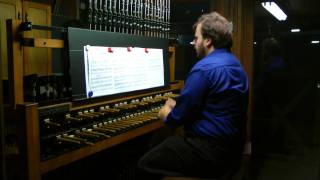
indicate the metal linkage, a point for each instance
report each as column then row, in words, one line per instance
column 139, row 17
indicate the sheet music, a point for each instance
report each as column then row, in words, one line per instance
column 112, row 70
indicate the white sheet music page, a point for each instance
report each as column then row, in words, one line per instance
column 112, row 70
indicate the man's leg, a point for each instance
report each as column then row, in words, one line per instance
column 189, row 156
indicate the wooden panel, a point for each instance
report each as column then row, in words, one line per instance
column 232, row 11
column 37, row 61
column 9, row 9
column 247, row 52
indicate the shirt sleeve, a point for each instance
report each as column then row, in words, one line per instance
column 190, row 100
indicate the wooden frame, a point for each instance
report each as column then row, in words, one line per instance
column 26, row 116
column 15, row 59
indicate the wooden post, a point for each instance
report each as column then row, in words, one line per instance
column 2, row 134
column 172, row 58
column 29, row 141
column 15, row 63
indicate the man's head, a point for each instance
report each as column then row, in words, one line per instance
column 212, row 31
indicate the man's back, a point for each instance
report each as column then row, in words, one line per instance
column 214, row 100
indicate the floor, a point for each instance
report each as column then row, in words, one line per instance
column 293, row 154
column 280, row 167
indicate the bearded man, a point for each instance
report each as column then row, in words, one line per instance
column 212, row 109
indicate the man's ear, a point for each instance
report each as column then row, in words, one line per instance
column 208, row 42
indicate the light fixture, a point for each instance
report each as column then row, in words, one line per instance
column 315, row 42
column 275, row 10
column 295, row 30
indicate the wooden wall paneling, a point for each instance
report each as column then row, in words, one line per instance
column 37, row 60
column 232, row 11
column 9, row 9
column 247, row 52
column 73, row 8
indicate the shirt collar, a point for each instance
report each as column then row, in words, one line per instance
column 217, row 51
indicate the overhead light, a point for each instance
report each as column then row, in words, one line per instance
column 315, row 42
column 295, row 30
column 275, row 10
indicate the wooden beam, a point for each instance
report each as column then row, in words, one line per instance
column 43, row 42
column 15, row 63
column 51, row 43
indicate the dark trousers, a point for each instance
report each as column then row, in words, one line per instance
column 191, row 156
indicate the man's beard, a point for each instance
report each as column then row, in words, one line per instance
column 201, row 52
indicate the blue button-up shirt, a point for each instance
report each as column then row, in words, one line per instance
column 214, row 101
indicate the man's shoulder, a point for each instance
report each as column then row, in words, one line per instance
column 212, row 62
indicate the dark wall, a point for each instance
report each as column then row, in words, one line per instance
column 185, row 59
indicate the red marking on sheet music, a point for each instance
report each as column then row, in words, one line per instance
column 110, row 50
column 146, row 50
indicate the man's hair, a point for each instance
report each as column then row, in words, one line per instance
column 216, row 27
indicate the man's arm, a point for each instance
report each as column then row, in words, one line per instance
column 189, row 102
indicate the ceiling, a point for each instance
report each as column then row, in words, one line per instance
column 301, row 14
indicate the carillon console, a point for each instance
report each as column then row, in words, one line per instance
column 64, row 129
column 119, row 82
column 56, row 135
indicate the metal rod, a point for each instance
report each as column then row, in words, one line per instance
column 100, row 15
column 89, row 15
column 105, row 15
column 95, row 14
column 110, row 15
column 127, row 16
column 114, row 16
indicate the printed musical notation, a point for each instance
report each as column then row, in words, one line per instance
column 112, row 70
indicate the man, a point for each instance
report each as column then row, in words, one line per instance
column 211, row 108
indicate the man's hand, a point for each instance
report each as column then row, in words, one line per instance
column 166, row 109
column 170, row 103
